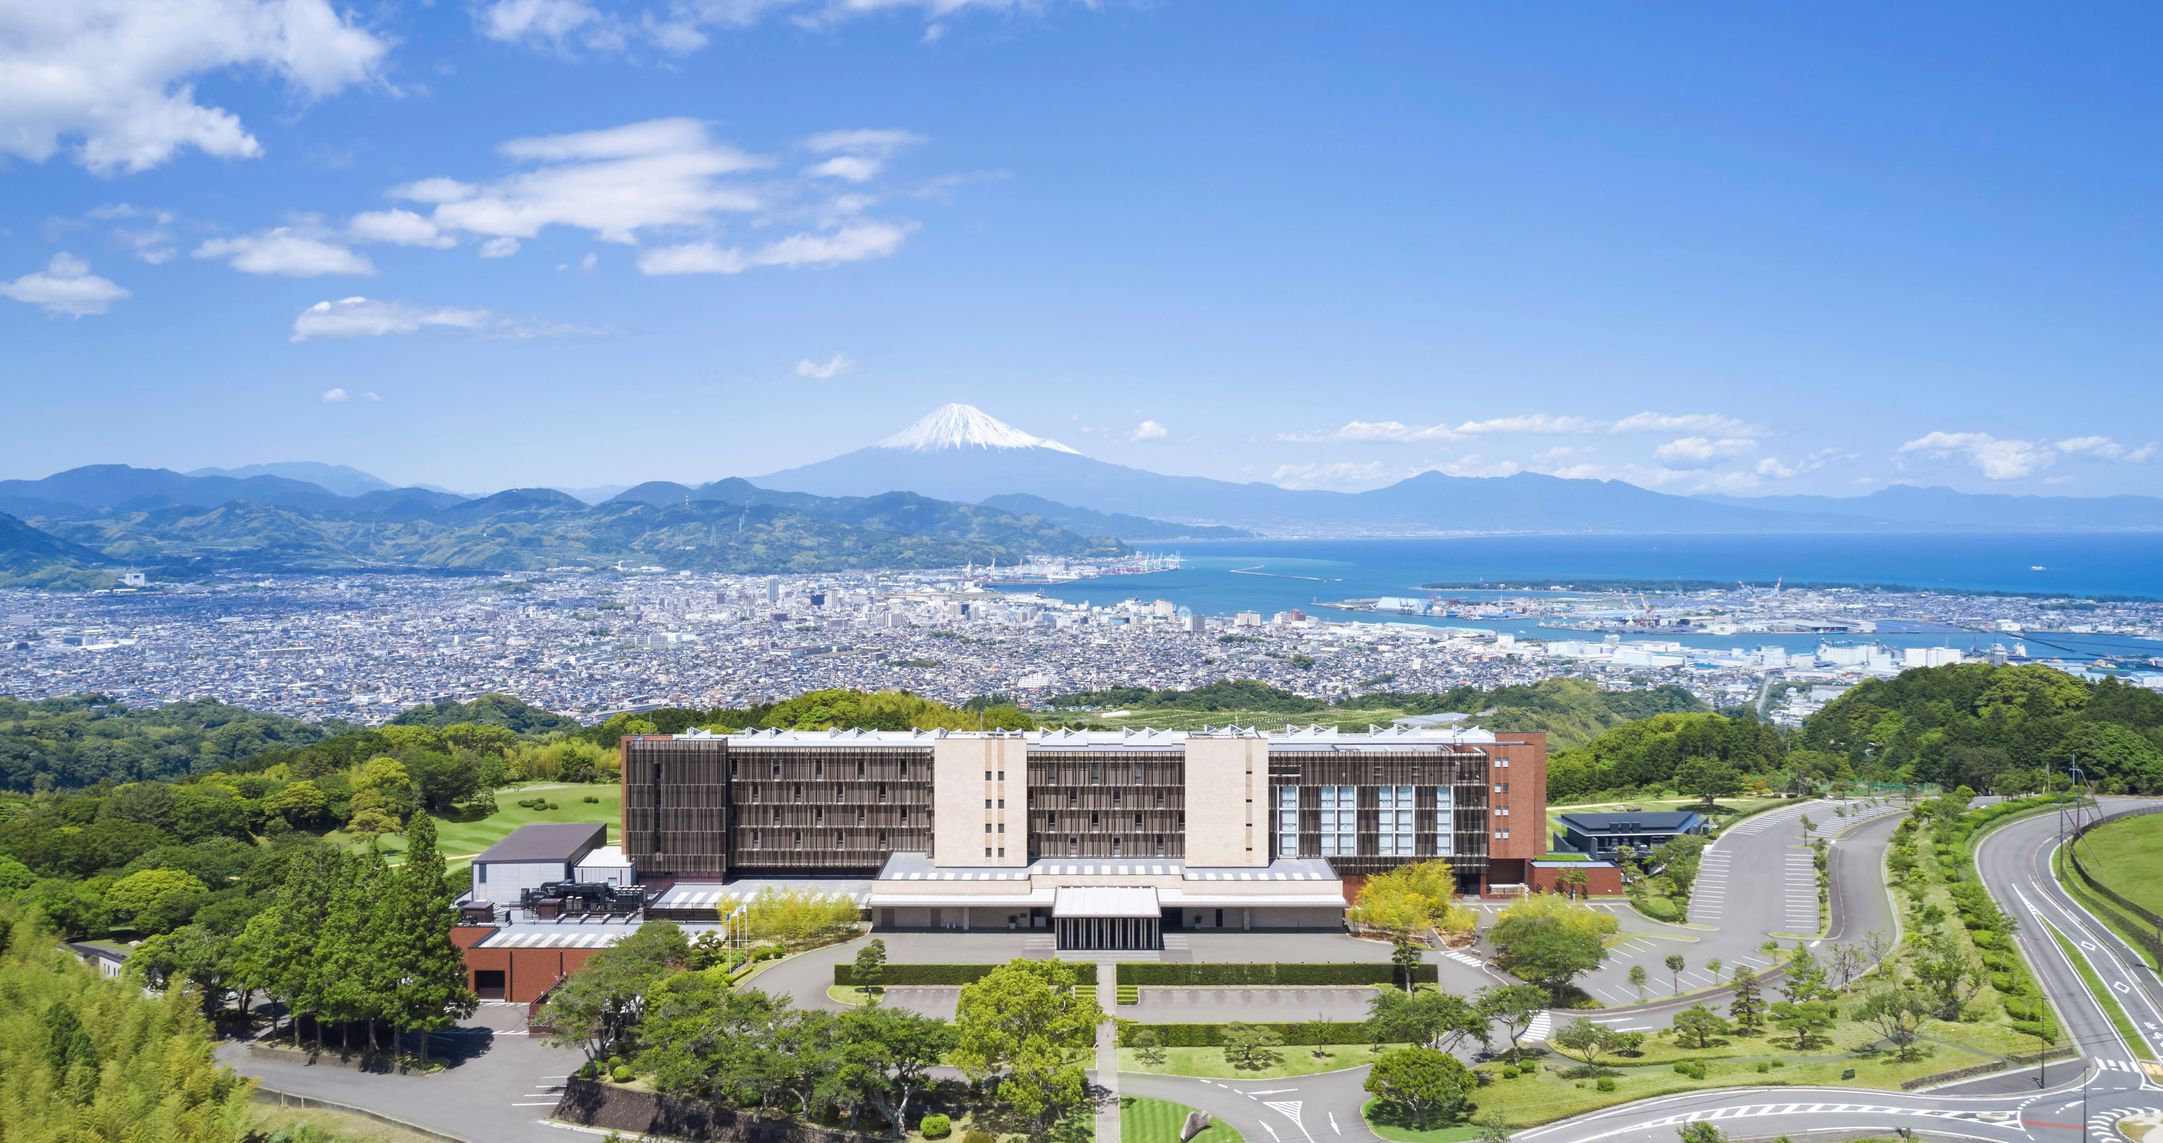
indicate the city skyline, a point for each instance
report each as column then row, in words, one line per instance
column 522, row 243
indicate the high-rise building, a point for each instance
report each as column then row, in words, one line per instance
column 1106, row 838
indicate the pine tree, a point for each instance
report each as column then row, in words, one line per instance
column 429, row 972
column 346, row 956
column 1748, row 1008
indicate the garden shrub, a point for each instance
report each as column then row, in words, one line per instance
column 936, row 1126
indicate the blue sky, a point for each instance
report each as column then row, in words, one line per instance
column 1742, row 248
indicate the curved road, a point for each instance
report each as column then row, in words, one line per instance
column 2077, row 1098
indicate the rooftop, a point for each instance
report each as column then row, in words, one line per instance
column 1290, row 737
column 1657, row 821
column 547, row 841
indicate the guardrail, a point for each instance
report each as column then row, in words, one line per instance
column 2152, row 941
column 288, row 1099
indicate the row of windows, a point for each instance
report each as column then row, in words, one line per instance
column 1339, row 821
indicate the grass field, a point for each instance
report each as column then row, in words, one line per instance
column 344, row 1127
column 462, row 841
column 2124, row 856
column 1155, row 1121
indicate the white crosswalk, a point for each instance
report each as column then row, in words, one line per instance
column 1541, row 1027
column 1463, row 958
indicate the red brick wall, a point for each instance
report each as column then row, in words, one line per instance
column 527, row 973
column 1603, row 880
column 1526, row 777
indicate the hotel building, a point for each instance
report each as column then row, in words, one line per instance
column 1105, row 839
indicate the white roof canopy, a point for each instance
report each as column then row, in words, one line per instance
column 1105, row 901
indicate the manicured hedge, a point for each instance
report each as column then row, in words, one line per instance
column 1248, row 975
column 1212, row 1035
column 904, row 975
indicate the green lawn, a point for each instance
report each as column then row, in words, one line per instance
column 462, row 841
column 1455, row 1133
column 1294, row 1060
column 2124, row 854
column 1156, row 1121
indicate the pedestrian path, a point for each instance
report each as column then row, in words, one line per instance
column 1108, row 1058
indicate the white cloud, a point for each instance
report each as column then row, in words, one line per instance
column 1697, row 452
column 114, row 81
column 849, row 168
column 1148, row 431
column 1708, row 424
column 1540, row 423
column 877, row 141
column 848, row 244
column 535, row 21
column 400, row 227
column 285, row 250
column 65, row 286
column 680, row 27
column 334, row 397
column 377, row 317
column 2105, row 448
column 616, row 183
column 1344, row 474
column 1997, row 458
column 499, row 247
column 832, row 367
column 1473, row 464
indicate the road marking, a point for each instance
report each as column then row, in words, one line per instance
column 1333, row 1123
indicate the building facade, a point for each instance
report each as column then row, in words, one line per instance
column 1106, row 839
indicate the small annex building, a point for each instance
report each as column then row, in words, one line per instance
column 535, row 854
column 1602, row 836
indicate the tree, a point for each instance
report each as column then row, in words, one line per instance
column 1708, row 778
column 1712, row 967
column 1805, row 1018
column 1584, row 1040
column 1847, row 961
column 1017, row 1023
column 1552, row 956
column 1410, row 900
column 1702, row 1132
column 414, row 940
column 1698, row 1025
column 1422, row 1085
column 1805, row 977
column 870, row 968
column 598, row 1007
column 1513, row 1007
column 1439, row 1020
column 1675, row 965
column 1946, row 973
column 1251, row 1047
column 1897, row 1014
column 1405, row 957
column 1748, row 1007
column 1574, row 882
column 1149, row 1047
column 886, row 1056
column 155, row 900
column 1638, row 977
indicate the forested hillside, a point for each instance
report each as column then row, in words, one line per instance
column 1995, row 728
column 78, row 741
column 1569, row 711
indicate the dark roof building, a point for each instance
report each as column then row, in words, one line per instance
column 1603, row 835
column 563, row 842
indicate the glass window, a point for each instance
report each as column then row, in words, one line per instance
column 1445, row 813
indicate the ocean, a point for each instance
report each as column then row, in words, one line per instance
column 1219, row 577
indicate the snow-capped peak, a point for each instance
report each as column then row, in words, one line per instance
column 965, row 426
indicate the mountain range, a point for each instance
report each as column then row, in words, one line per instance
column 958, row 486
column 960, row 453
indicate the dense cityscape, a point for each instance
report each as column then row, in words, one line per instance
column 363, row 648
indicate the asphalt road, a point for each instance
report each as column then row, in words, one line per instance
column 2081, row 1099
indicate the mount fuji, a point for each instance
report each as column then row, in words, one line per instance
column 960, row 452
